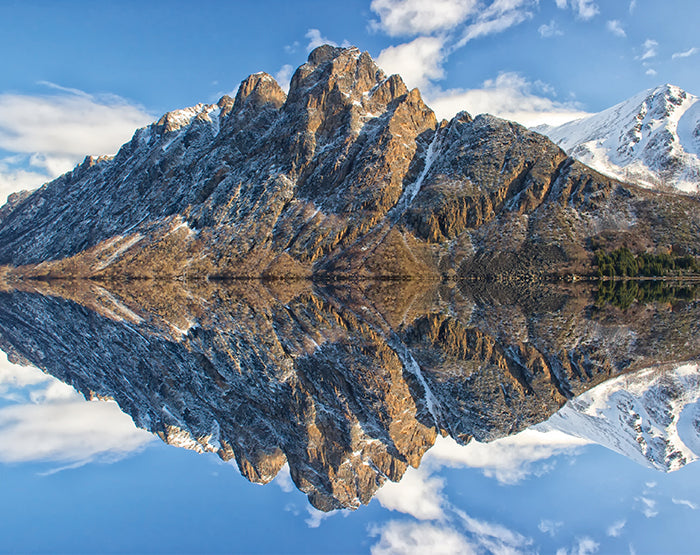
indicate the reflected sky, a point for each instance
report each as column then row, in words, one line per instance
column 361, row 402
column 85, row 479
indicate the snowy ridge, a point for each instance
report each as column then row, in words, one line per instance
column 651, row 416
column 652, row 139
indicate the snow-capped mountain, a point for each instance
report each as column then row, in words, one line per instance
column 651, row 416
column 652, row 139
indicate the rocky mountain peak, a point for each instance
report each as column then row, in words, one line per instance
column 257, row 92
column 335, row 74
column 350, row 173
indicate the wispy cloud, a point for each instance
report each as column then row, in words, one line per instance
column 615, row 529
column 649, row 50
column 633, row 6
column 508, row 460
column 651, row 72
column 550, row 29
column 550, row 527
column 584, row 9
column 418, row 62
column 284, row 75
column 419, row 537
column 316, row 39
column 493, row 537
column 685, row 502
column 583, row 546
column 464, row 535
column 648, row 506
column 316, row 517
column 509, row 95
column 46, row 135
column 52, row 423
column 417, row 17
column 685, row 54
column 496, row 18
column 615, row 27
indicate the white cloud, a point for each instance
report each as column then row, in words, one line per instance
column 316, row 40
column 291, row 48
column 685, row 502
column 650, row 72
column 509, row 96
column 648, row 50
column 584, row 9
column 686, row 54
column 550, row 29
column 550, row 527
column 648, row 507
column 284, row 479
column 416, row 494
column 48, row 421
column 284, row 76
column 408, row 538
column 14, row 377
column 508, row 460
column 615, row 529
column 47, row 135
column 496, row 18
column 65, row 428
column 316, row 517
column 583, row 546
column 633, row 5
column 418, row 62
column 417, row 17
column 495, row 538
column 615, row 27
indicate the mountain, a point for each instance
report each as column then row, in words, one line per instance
column 651, row 416
column 347, row 384
column 348, row 175
column 652, row 139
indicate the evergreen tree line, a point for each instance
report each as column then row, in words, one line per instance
column 622, row 263
column 623, row 293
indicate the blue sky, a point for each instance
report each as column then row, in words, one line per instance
column 79, row 477
column 78, row 77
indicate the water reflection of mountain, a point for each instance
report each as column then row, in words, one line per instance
column 349, row 384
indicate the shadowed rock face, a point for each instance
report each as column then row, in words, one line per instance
column 348, row 385
column 348, row 174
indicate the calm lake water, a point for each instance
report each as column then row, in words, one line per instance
column 373, row 417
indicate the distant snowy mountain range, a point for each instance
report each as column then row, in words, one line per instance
column 652, row 139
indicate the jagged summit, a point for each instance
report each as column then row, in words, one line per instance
column 652, row 139
column 349, row 174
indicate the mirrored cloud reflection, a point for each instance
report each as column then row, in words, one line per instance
column 45, row 420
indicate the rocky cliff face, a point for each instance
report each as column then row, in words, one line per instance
column 350, row 174
column 348, row 385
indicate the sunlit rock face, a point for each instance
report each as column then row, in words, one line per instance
column 350, row 174
column 348, row 385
